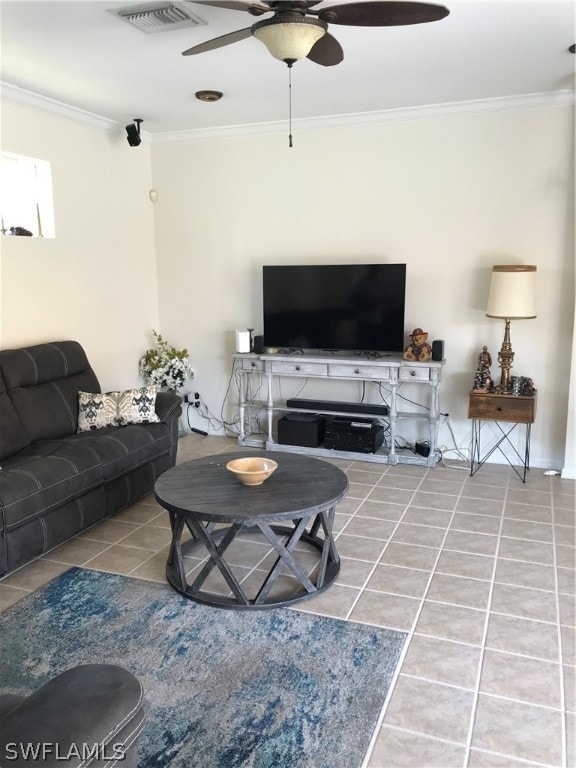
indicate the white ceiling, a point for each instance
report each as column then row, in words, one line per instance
column 77, row 53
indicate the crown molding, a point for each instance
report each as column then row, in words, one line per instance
column 23, row 97
column 16, row 95
column 351, row 120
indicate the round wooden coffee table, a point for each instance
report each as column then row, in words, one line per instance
column 293, row 512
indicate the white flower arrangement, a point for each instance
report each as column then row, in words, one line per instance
column 165, row 366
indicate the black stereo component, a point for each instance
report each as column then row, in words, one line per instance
column 422, row 448
column 359, row 435
column 438, row 350
column 305, row 429
column 258, row 345
column 332, row 405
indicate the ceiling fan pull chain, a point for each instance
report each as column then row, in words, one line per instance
column 290, row 103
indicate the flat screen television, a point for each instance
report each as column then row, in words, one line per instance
column 339, row 307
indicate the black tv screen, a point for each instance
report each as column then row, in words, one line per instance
column 344, row 307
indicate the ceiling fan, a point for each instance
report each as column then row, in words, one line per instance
column 295, row 31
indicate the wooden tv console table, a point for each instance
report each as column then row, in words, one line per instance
column 392, row 372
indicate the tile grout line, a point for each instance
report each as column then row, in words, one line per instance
column 559, row 635
column 386, row 544
column 378, row 725
column 499, row 696
column 467, row 608
column 483, row 647
column 396, row 523
column 491, row 752
column 411, row 631
column 476, row 696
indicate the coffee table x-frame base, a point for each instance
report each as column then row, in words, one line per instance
column 284, row 540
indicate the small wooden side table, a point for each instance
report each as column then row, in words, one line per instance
column 512, row 411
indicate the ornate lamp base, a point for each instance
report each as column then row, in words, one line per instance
column 505, row 359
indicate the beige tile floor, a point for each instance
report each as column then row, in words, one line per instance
column 478, row 571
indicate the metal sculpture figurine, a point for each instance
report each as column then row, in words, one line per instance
column 483, row 379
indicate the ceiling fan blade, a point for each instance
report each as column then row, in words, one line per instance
column 327, row 51
column 385, row 13
column 219, row 42
column 255, row 8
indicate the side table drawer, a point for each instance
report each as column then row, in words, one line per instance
column 512, row 408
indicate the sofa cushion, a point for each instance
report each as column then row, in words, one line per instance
column 43, row 382
column 45, row 476
column 122, row 449
column 133, row 406
column 13, row 436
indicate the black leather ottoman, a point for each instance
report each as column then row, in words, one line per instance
column 90, row 715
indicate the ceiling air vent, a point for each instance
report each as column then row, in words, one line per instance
column 159, row 16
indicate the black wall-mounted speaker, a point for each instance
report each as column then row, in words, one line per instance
column 133, row 132
column 438, row 350
column 258, row 345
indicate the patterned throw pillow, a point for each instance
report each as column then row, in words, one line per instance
column 137, row 406
column 112, row 409
column 96, row 411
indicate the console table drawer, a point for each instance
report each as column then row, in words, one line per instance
column 414, row 373
column 514, row 408
column 250, row 364
column 361, row 371
column 298, row 368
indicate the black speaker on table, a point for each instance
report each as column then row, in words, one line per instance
column 438, row 350
column 258, row 345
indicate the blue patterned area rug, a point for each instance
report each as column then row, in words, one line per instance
column 224, row 689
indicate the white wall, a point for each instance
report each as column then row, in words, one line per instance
column 449, row 196
column 569, row 469
column 96, row 281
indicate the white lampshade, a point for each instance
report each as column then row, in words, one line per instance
column 512, row 292
column 289, row 40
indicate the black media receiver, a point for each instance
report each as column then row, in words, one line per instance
column 336, row 307
column 362, row 435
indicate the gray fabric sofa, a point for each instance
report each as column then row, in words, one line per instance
column 55, row 482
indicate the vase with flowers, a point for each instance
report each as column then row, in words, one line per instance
column 164, row 366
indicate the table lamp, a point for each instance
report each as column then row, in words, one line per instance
column 512, row 297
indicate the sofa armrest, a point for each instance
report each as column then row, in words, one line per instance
column 81, row 713
column 168, row 406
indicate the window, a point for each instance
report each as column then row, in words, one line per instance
column 26, row 203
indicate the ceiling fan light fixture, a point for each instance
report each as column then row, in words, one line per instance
column 289, row 38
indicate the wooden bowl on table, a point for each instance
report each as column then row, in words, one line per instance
column 252, row 470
